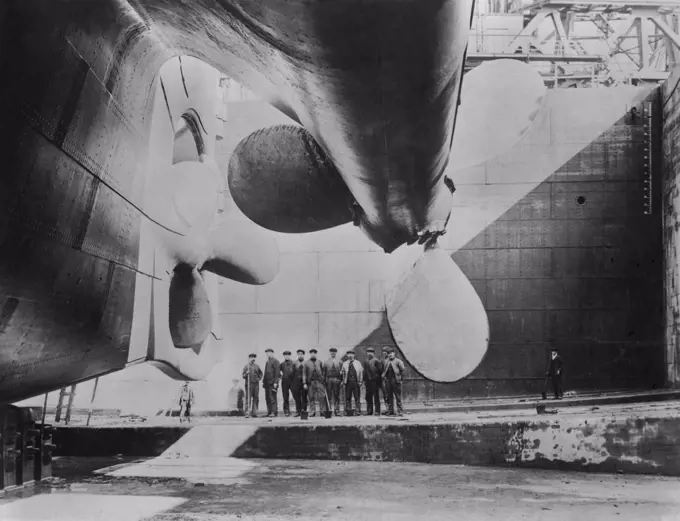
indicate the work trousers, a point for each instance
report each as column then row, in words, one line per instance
column 383, row 386
column 184, row 411
column 317, row 393
column 557, row 385
column 394, row 393
column 270, row 398
column 287, row 388
column 333, row 390
column 373, row 396
column 254, row 398
column 352, row 390
column 300, row 397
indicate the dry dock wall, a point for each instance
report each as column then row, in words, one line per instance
column 671, row 225
column 590, row 443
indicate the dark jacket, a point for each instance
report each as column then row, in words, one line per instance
column 255, row 373
column 272, row 371
column 555, row 367
column 373, row 370
column 287, row 371
column 299, row 368
column 332, row 368
column 398, row 368
column 313, row 370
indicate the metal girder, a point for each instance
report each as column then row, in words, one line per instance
column 603, row 5
column 649, row 53
column 672, row 38
column 486, row 56
column 523, row 39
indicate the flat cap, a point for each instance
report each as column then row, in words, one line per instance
column 286, row 352
column 312, row 350
column 350, row 351
column 301, row 351
column 370, row 350
column 333, row 350
column 269, row 350
column 252, row 355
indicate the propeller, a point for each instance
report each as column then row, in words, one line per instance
column 190, row 316
column 282, row 179
column 500, row 100
column 242, row 252
column 185, row 202
column 434, row 312
column 436, row 317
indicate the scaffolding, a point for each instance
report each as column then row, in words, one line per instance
column 578, row 43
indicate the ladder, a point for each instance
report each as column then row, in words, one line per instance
column 63, row 393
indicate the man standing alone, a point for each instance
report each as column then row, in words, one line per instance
column 333, row 369
column 555, row 372
column 352, row 376
column 252, row 374
column 272, row 374
column 186, row 400
column 313, row 380
column 373, row 370
column 394, row 374
column 287, row 381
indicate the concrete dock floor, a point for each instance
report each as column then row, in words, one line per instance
column 311, row 490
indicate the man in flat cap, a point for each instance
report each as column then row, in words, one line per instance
column 352, row 378
column 313, row 382
column 373, row 370
column 287, row 381
column 299, row 392
column 393, row 372
column 333, row 371
column 252, row 374
column 272, row 374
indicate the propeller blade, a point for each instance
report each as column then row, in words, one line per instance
column 499, row 102
column 190, row 316
column 196, row 189
column 242, row 252
column 185, row 197
column 437, row 318
column 283, row 180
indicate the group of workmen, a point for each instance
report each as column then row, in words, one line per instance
column 312, row 382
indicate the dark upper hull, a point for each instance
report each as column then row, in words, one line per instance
column 375, row 82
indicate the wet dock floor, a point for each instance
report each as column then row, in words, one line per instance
column 231, row 489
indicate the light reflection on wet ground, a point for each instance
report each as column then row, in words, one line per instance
column 300, row 490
